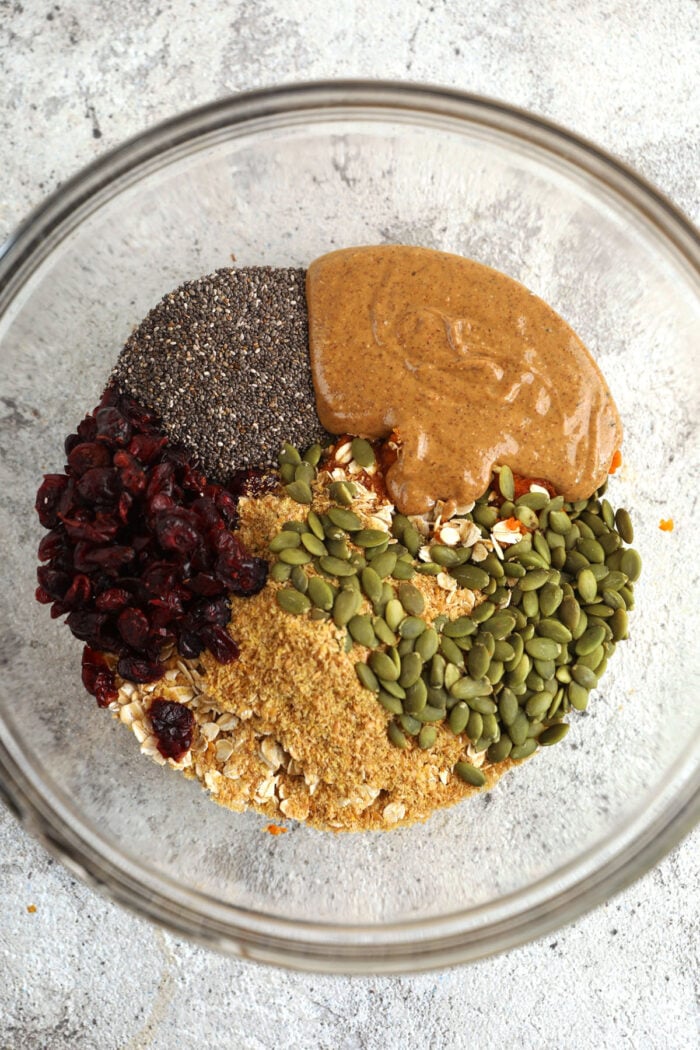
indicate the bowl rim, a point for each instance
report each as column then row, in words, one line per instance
column 433, row 942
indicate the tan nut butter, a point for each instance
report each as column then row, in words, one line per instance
column 465, row 364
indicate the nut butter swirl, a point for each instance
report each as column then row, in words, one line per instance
column 464, row 364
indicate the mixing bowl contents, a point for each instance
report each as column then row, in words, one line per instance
column 345, row 567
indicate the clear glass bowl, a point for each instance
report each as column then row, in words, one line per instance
column 279, row 177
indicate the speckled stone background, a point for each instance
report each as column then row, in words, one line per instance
column 77, row 78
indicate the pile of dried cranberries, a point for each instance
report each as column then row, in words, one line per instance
column 140, row 551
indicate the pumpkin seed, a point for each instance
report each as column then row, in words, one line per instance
column 362, row 452
column 569, row 612
column 559, row 522
column 500, row 750
column 584, row 676
column 289, row 454
column 294, row 526
column 431, row 714
column 538, row 704
column 416, row 697
column 577, row 696
column 342, row 492
column 587, row 585
column 411, row 599
column 591, row 550
column 280, row 572
column 384, row 564
column 336, row 566
column 518, row 729
column 508, row 707
column 403, row 571
column 299, row 579
column 543, row 648
column 427, row 644
column 618, row 624
column 506, row 483
column 313, row 545
column 405, row 646
column 470, row 774
column 410, row 724
column 534, row 580
column 458, row 718
column 398, row 524
column 478, row 660
column 451, row 652
column 524, row 750
column 437, row 670
column 553, row 734
column 475, row 725
column 293, row 601
column 429, row 568
column 383, row 631
column 320, row 593
column 427, row 737
column 623, row 524
column 555, row 630
column 369, row 537
column 345, row 519
column 534, row 500
column 299, row 491
column 411, row 668
column 470, row 576
column 445, row 556
column 550, row 598
column 591, row 638
column 294, row 556
column 360, row 629
column 411, row 627
column 383, row 666
column 393, row 688
column 412, row 539
column 396, row 736
column 304, row 472
column 346, row 604
column 631, row 564
column 392, row 704
column 284, row 541
column 367, row 676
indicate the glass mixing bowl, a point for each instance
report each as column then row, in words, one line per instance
column 279, row 177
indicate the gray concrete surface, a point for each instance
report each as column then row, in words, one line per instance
column 77, row 77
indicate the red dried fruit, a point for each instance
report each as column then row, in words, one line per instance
column 113, row 599
column 79, row 592
column 176, row 532
column 133, row 627
column 48, row 499
column 221, row 644
column 112, row 427
column 138, row 670
column 99, row 485
column 86, row 455
column 97, row 677
column 173, row 725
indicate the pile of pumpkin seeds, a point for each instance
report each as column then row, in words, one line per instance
column 554, row 607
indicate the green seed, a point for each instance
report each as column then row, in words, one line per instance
column 474, row 691
column 405, row 646
column 459, row 716
column 383, row 631
column 411, row 599
column 313, row 454
column 475, row 725
column 369, row 537
column 555, row 630
column 623, row 524
column 569, row 612
column 501, row 625
column 412, row 627
column 392, row 704
column 342, row 492
column 304, row 472
column 631, row 564
column 553, row 734
column 371, row 584
column 437, row 670
column 315, row 525
column 524, row 750
column 313, row 545
column 293, row 601
column 538, row 704
column 584, row 676
column 431, row 714
column 550, row 598
column 577, row 696
column 618, row 624
column 294, row 556
column 559, row 522
column 486, row 516
column 587, row 585
column 429, row 568
column 384, row 564
column 362, row 452
column 499, row 751
column 280, row 572
column 451, row 652
column 483, row 612
column 289, row 454
column 416, row 697
column 542, row 648
column 427, row 644
column 320, row 593
column 470, row 774
column 403, row 570
column 409, row 724
column 367, row 676
column 444, row 556
column 506, row 483
column 300, row 581
column 478, row 660
column 470, row 576
column 394, row 613
column 427, row 737
column 396, row 736
column 345, row 606
column 411, row 668
column 299, row 491
column 534, row 580
column 345, row 519
column 411, row 539
column 284, row 541
column 361, row 631
column 384, row 667
column 508, row 706
column 337, row 567
column 294, row 526
column 459, row 628
column 591, row 550
column 491, row 730
column 393, row 688
column 452, row 675
column 518, row 729
column 591, row 638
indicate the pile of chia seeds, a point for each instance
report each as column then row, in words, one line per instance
column 224, row 362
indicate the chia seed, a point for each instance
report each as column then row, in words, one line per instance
column 224, row 362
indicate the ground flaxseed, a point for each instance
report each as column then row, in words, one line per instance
column 224, row 362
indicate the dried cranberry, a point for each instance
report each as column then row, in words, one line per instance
column 138, row 670
column 189, row 644
column 52, row 545
column 54, row 583
column 173, row 725
column 176, row 532
column 205, row 584
column 133, row 627
column 99, row 485
column 48, row 499
column 113, row 427
column 221, row 644
column 79, row 592
column 113, row 599
column 146, row 447
column 86, row 455
column 111, row 559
